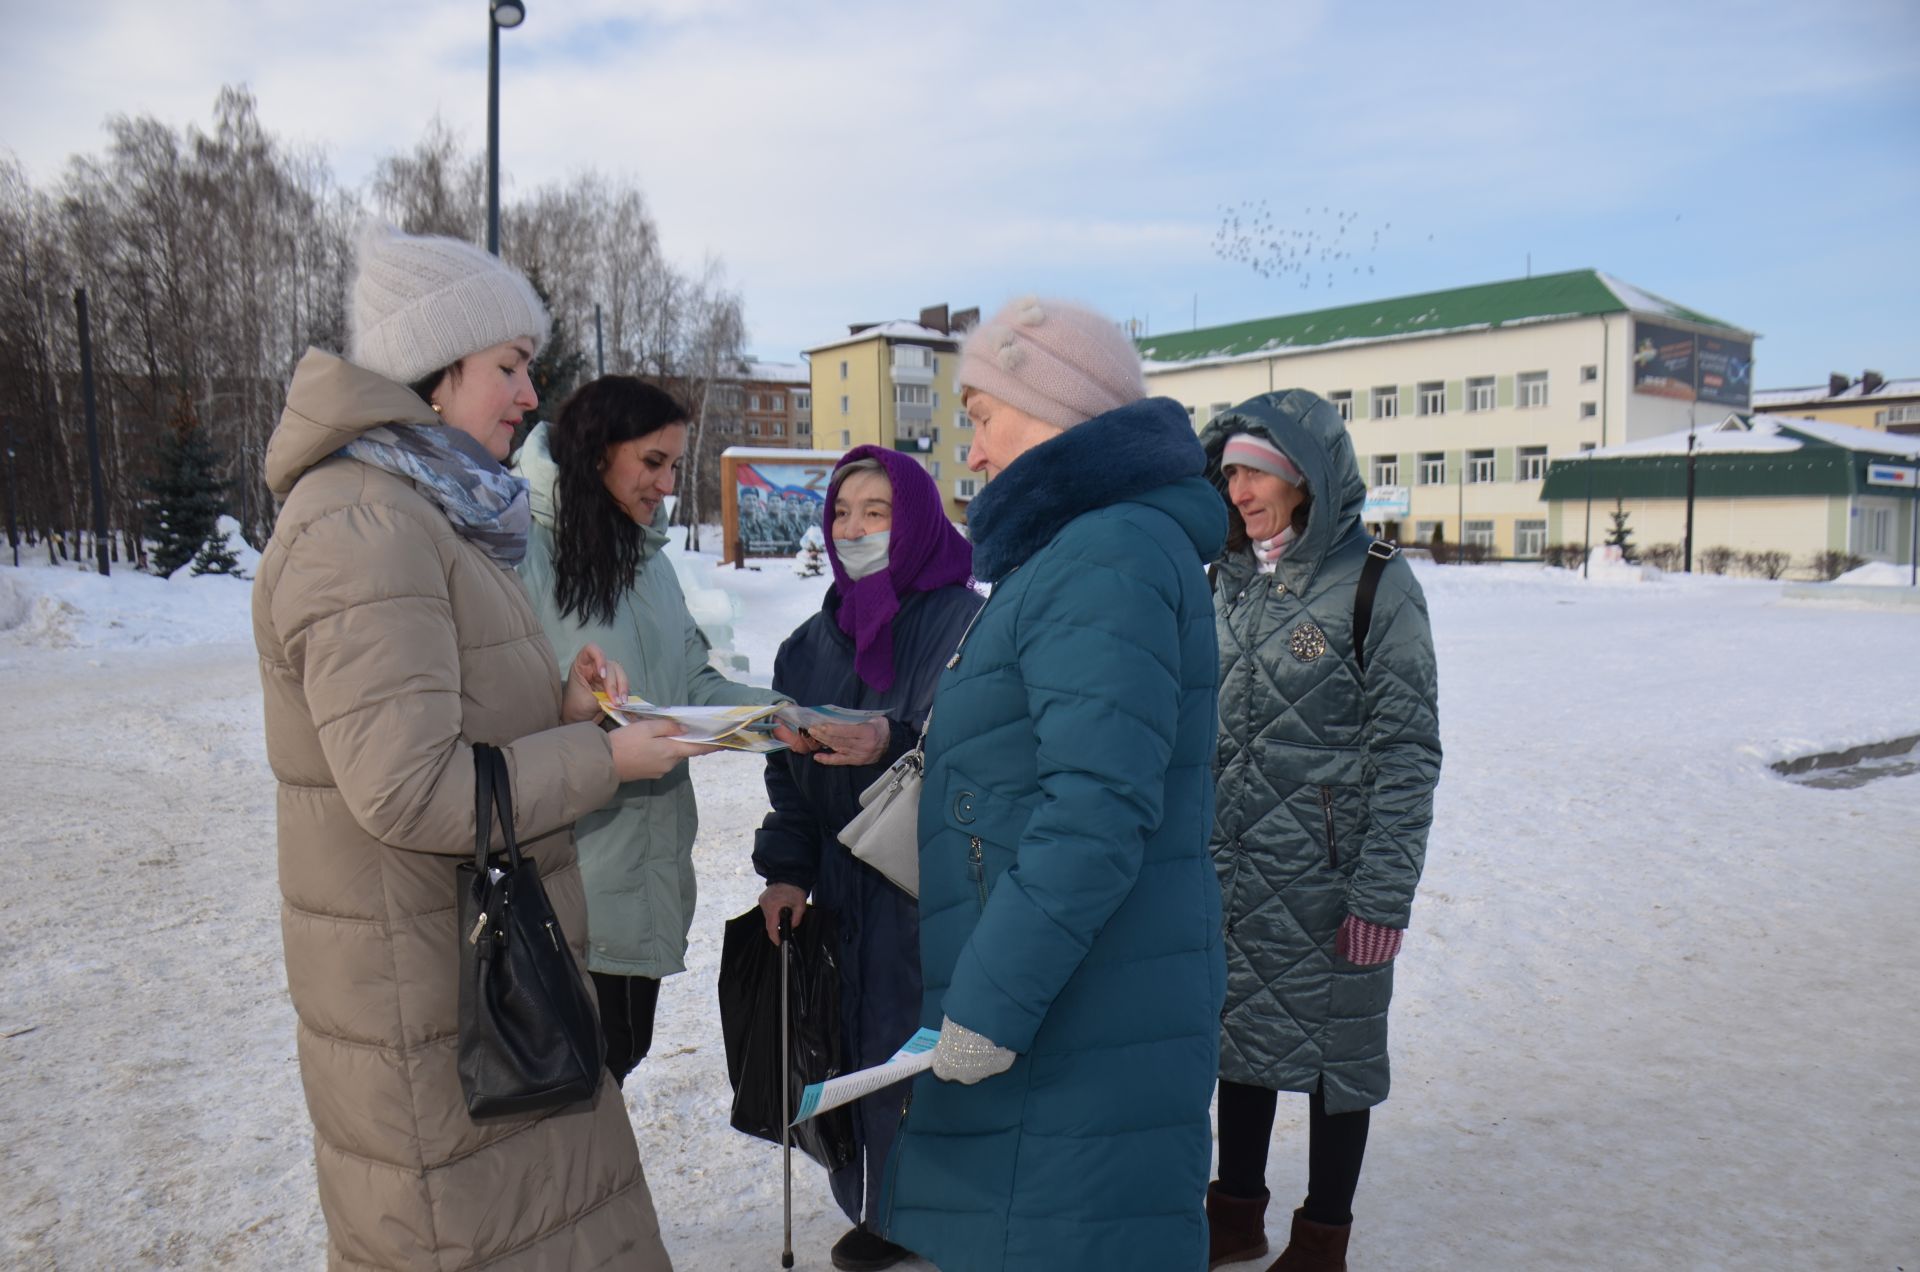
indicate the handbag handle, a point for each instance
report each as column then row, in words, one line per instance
column 492, row 787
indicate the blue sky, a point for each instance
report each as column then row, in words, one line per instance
column 854, row 161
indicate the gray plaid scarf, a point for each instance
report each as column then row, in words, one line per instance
column 484, row 501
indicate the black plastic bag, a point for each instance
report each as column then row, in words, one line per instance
column 750, row 1025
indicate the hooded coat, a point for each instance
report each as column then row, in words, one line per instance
column 636, row 852
column 1325, row 775
column 388, row 645
column 1067, row 907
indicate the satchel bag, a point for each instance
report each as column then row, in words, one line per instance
column 885, row 833
column 529, row 1039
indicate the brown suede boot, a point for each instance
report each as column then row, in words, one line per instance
column 1314, row 1247
column 1236, row 1227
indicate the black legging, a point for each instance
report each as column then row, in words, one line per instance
column 1336, row 1145
column 627, row 1005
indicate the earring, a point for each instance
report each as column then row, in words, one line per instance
column 435, row 406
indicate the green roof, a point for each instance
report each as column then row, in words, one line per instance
column 1815, row 466
column 1580, row 293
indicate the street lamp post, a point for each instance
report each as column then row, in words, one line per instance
column 13, row 498
column 508, row 14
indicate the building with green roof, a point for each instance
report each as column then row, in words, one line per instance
column 1459, row 400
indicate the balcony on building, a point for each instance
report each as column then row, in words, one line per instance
column 912, row 364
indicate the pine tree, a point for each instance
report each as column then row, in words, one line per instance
column 189, row 495
column 217, row 556
column 1620, row 536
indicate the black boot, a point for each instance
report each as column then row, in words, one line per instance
column 864, row 1250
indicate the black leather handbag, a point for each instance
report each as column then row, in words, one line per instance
column 529, row 1038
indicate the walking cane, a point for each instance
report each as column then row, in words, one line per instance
column 786, row 1082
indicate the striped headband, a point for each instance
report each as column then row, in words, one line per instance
column 1249, row 451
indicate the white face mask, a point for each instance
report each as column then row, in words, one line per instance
column 863, row 556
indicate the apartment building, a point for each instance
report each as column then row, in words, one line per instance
column 1459, row 400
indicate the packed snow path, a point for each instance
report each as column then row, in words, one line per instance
column 1656, row 1010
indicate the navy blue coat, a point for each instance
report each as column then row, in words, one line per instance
column 799, row 844
column 1069, row 910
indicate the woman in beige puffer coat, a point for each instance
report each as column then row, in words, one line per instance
column 393, row 634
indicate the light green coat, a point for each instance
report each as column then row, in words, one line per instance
column 636, row 854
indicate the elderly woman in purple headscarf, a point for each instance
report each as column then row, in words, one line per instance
column 897, row 607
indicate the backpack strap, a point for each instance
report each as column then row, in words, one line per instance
column 1379, row 552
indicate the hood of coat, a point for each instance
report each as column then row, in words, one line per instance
column 1310, row 431
column 536, row 464
column 329, row 403
column 1143, row 452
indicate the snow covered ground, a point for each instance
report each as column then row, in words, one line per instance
column 1657, row 1009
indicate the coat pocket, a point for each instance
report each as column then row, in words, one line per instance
column 990, row 826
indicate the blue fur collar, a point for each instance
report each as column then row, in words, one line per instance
column 1113, row 457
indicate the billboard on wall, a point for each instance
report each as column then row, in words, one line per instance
column 1671, row 363
column 776, row 503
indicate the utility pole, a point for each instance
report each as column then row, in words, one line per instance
column 599, row 343
column 93, row 433
column 1693, row 414
column 13, row 497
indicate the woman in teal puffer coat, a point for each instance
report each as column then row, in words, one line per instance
column 598, row 475
column 1327, row 762
column 1069, row 916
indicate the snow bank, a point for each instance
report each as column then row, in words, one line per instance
column 1878, row 574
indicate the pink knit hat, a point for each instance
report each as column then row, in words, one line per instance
column 1057, row 361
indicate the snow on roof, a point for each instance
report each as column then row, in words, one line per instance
column 1819, row 393
column 897, row 329
column 1763, row 434
column 778, row 452
column 777, row 372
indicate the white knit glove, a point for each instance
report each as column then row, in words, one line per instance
column 965, row 1057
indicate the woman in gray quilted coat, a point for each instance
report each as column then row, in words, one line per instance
column 1329, row 752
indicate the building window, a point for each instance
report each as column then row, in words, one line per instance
column 843, row 370
column 1433, row 398
column 1217, row 410
column 1529, row 538
column 846, row 438
column 933, row 469
column 966, row 488
column 1588, row 410
column 1533, row 388
column 1386, row 403
column 962, row 420
column 1480, row 532
column 1190, row 411
column 910, row 395
column 1386, row 470
column 1343, row 403
column 936, row 364
column 1876, row 531
column 1479, row 467
column 961, row 452
column 912, row 356
column 1433, row 468
column 1533, row 463
column 775, row 402
column 936, row 399
column 1424, row 531
column 803, row 401
column 753, row 401
column 1480, row 393
column 777, row 429
column 1588, row 374
column 846, row 405
column 753, row 428
column 1587, row 446
column 1897, row 415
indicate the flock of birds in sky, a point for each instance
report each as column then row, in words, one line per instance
column 1315, row 250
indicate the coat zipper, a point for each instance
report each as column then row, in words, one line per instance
column 977, row 867
column 893, row 1159
column 1326, row 810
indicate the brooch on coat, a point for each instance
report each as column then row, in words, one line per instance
column 1307, row 642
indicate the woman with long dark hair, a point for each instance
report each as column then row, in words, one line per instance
column 599, row 475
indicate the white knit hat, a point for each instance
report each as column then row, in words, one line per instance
column 418, row 304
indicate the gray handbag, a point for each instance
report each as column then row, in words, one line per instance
column 886, row 832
